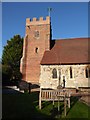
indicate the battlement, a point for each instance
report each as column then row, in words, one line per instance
column 36, row 21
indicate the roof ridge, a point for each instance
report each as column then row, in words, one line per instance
column 71, row 38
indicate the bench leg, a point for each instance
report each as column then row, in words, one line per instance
column 58, row 105
column 40, row 99
column 69, row 103
column 65, row 102
column 39, row 104
column 53, row 102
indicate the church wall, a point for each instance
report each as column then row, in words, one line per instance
column 78, row 76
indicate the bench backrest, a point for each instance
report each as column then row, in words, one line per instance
column 54, row 94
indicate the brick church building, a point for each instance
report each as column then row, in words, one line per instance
column 50, row 62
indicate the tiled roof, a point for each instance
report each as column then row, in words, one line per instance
column 68, row 51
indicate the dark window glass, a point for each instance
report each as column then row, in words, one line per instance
column 54, row 73
column 36, row 50
column 70, row 72
column 87, row 72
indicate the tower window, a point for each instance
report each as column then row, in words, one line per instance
column 70, row 72
column 28, row 26
column 54, row 73
column 36, row 50
column 87, row 72
column 36, row 34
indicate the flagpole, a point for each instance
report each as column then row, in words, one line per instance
column 49, row 11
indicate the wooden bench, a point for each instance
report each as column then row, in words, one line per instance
column 55, row 95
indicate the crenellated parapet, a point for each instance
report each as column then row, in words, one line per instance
column 36, row 21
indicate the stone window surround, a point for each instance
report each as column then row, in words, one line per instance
column 54, row 73
column 87, row 72
column 71, row 75
column 36, row 50
column 37, row 34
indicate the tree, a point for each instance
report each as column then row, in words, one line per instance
column 11, row 56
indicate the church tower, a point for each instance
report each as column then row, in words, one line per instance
column 36, row 42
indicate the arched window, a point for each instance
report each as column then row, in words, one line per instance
column 36, row 50
column 70, row 72
column 87, row 72
column 54, row 73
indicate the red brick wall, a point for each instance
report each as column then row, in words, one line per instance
column 31, row 60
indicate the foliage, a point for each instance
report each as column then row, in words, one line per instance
column 6, row 72
column 12, row 54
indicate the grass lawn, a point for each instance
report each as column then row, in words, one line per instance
column 25, row 106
